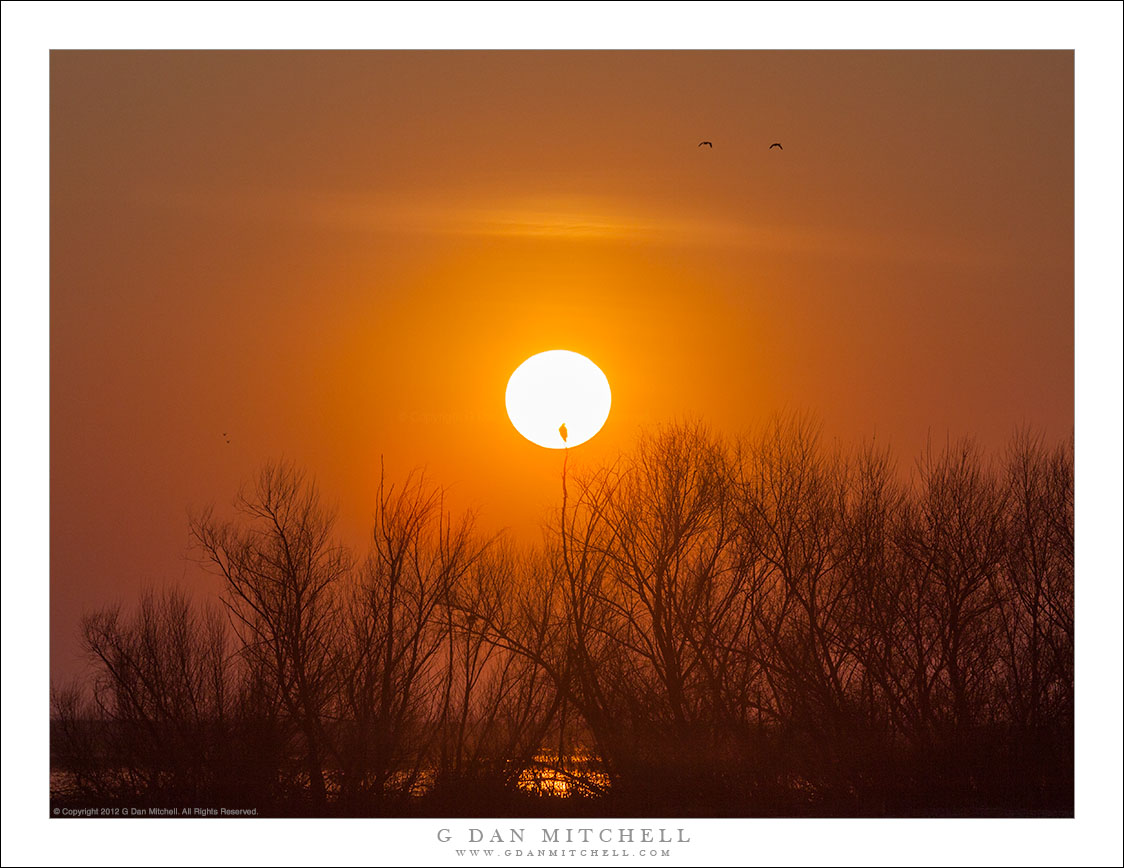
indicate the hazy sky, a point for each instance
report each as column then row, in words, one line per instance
column 341, row 256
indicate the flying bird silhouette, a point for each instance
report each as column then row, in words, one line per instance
column 708, row 144
column 776, row 145
column 562, row 431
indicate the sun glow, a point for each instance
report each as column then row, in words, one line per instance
column 558, row 399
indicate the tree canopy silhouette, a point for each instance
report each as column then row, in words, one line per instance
column 752, row 625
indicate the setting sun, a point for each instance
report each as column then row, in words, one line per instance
column 558, row 399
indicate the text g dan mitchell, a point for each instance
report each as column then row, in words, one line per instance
column 567, row 835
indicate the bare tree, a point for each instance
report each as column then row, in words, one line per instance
column 497, row 704
column 160, row 700
column 1037, row 593
column 955, row 539
column 281, row 565
column 398, row 620
column 792, row 506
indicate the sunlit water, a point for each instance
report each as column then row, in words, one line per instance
column 577, row 775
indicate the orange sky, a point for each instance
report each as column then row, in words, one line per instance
column 334, row 256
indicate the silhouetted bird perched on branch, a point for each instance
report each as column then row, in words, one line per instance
column 776, row 145
column 562, row 431
column 708, row 144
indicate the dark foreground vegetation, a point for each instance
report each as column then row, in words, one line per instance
column 764, row 627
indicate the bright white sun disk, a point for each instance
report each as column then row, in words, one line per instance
column 558, row 388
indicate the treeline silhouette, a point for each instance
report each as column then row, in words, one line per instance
column 760, row 626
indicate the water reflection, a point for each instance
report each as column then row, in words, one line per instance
column 578, row 774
